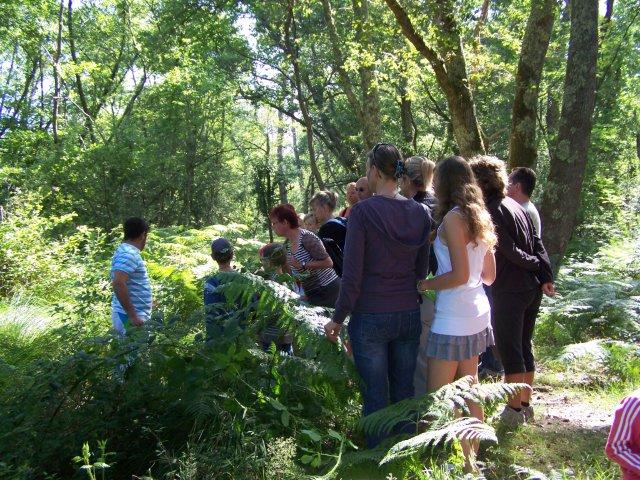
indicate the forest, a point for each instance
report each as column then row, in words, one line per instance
column 201, row 116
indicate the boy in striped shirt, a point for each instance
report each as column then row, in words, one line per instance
column 623, row 444
column 132, row 300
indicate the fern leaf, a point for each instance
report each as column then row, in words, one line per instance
column 466, row 428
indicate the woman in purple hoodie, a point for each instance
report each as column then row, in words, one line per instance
column 386, row 253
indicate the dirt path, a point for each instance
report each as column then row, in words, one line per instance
column 569, row 408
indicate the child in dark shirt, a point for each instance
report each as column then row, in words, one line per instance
column 222, row 253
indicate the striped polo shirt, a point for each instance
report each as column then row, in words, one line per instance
column 310, row 248
column 127, row 259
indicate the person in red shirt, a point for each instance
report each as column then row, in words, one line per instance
column 623, row 444
column 352, row 199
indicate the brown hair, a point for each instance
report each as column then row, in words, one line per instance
column 387, row 158
column 325, row 197
column 491, row 175
column 456, row 187
column 419, row 170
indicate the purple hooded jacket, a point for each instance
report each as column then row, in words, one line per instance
column 386, row 252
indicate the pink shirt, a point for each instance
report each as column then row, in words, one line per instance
column 623, row 444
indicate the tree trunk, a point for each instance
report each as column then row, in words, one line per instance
column 74, row 56
column 298, row 162
column 371, row 123
column 522, row 139
column 561, row 197
column 56, row 74
column 282, row 181
column 406, row 118
column 20, row 101
column 484, row 14
column 290, row 41
column 450, row 70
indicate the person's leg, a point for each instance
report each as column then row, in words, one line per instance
column 369, row 342
column 470, row 448
column 403, row 353
column 529, row 324
column 508, row 318
column 440, row 373
column 420, row 376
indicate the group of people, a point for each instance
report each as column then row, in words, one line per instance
column 462, row 228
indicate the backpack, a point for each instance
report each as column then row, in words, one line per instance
column 335, row 253
column 333, row 248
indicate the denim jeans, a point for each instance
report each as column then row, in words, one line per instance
column 385, row 348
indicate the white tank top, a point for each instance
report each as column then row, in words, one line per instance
column 462, row 310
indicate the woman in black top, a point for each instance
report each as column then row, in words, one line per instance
column 523, row 275
column 323, row 204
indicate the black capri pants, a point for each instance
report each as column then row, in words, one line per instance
column 513, row 316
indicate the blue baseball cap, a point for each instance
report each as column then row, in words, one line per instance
column 221, row 245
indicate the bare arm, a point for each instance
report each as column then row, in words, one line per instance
column 119, row 285
column 489, row 268
column 456, row 237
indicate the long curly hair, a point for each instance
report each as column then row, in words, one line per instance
column 455, row 186
column 491, row 176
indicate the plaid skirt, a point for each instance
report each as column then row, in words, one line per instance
column 454, row 347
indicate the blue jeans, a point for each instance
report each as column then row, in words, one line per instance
column 385, row 349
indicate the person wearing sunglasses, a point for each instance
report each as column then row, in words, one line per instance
column 386, row 252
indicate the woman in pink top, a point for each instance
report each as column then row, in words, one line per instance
column 623, row 444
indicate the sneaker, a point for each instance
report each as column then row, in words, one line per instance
column 511, row 418
column 528, row 413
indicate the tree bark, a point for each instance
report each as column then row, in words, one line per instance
column 561, row 197
column 20, row 101
column 282, row 181
column 522, row 139
column 450, row 71
column 484, row 14
column 406, row 119
column 56, row 74
column 290, row 43
column 371, row 124
column 74, row 56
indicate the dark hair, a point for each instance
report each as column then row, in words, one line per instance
column 525, row 177
column 285, row 212
column 388, row 159
column 491, row 175
column 275, row 253
column 223, row 257
column 134, row 227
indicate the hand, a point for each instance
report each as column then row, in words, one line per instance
column 136, row 321
column 332, row 330
column 423, row 285
column 549, row 289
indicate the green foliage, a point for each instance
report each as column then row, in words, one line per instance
column 598, row 299
column 437, row 411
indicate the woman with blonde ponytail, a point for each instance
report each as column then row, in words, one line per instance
column 464, row 244
column 417, row 180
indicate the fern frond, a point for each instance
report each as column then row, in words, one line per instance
column 466, row 428
column 383, row 421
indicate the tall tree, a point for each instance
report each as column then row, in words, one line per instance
column 561, row 196
column 292, row 51
column 450, row 68
column 522, row 139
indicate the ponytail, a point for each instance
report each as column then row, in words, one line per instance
column 420, row 170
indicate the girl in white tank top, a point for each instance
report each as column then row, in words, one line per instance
column 461, row 328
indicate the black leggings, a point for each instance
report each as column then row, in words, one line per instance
column 513, row 316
